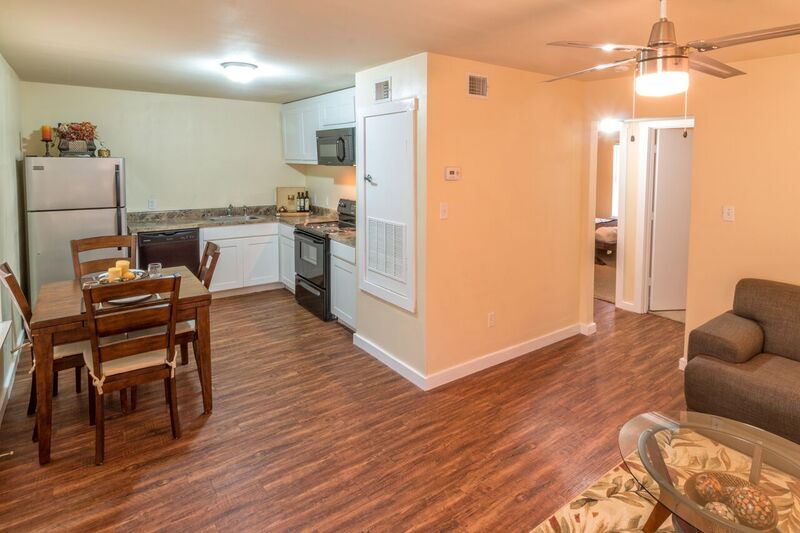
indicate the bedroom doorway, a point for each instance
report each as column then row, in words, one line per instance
column 606, row 211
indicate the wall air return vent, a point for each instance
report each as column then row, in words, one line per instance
column 477, row 85
column 383, row 90
column 386, row 248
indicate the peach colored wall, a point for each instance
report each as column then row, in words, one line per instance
column 605, row 175
column 745, row 155
column 511, row 243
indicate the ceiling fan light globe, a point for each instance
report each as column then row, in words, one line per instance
column 662, row 83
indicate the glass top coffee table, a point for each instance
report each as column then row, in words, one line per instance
column 713, row 474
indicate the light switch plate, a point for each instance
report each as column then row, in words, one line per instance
column 452, row 173
column 151, row 204
column 443, row 210
column 728, row 213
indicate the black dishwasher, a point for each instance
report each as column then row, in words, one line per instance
column 171, row 248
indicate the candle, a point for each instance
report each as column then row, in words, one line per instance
column 114, row 274
column 47, row 134
column 123, row 266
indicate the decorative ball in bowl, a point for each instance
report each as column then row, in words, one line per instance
column 732, row 498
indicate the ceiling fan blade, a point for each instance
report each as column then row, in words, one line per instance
column 595, row 68
column 608, row 47
column 709, row 65
column 748, row 37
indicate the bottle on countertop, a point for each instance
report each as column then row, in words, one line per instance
column 307, row 201
column 297, row 202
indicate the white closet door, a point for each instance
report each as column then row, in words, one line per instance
column 672, row 191
column 388, row 203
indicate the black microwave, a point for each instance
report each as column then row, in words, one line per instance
column 336, row 147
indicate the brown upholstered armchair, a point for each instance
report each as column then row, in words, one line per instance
column 745, row 364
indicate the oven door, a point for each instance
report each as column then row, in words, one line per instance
column 309, row 258
column 336, row 147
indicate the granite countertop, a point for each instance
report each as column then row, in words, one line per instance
column 347, row 238
column 200, row 218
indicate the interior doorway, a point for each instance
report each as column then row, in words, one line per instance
column 606, row 214
column 636, row 194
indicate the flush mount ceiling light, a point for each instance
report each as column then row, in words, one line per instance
column 239, row 72
column 662, row 66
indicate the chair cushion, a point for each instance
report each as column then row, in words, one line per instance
column 762, row 392
column 776, row 308
column 73, row 348
column 155, row 358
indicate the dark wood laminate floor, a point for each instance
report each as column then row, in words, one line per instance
column 310, row 433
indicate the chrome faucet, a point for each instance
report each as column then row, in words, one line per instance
column 245, row 211
column 230, row 210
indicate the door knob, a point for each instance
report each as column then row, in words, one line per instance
column 368, row 178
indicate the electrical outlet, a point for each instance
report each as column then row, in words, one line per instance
column 491, row 320
column 443, row 210
column 728, row 213
column 151, row 203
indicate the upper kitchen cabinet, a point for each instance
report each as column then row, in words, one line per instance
column 337, row 110
column 300, row 124
column 302, row 119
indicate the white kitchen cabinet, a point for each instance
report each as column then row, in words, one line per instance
column 228, row 274
column 302, row 119
column 248, row 255
column 300, row 123
column 344, row 284
column 338, row 109
column 260, row 260
column 287, row 262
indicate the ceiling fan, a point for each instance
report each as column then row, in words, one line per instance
column 662, row 67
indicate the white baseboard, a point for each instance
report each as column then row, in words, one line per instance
column 408, row 372
column 589, row 329
column 627, row 306
column 437, row 379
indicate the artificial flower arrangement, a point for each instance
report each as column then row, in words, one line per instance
column 76, row 131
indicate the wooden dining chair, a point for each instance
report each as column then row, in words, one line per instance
column 65, row 356
column 205, row 273
column 108, row 242
column 133, row 360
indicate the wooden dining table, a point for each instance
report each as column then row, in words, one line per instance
column 59, row 318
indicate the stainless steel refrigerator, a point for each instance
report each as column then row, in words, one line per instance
column 70, row 198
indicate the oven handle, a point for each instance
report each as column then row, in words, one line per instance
column 305, row 238
column 309, row 288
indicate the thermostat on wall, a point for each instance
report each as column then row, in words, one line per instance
column 452, row 173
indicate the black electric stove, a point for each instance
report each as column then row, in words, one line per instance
column 312, row 261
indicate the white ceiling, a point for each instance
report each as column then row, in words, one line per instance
column 308, row 47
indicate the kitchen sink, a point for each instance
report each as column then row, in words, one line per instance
column 235, row 218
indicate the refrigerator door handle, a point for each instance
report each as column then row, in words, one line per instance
column 117, row 186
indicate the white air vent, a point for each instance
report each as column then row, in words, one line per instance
column 386, row 247
column 478, row 86
column 383, row 90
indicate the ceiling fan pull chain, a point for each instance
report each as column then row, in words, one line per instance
column 685, row 112
column 633, row 113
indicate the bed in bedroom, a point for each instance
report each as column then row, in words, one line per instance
column 605, row 238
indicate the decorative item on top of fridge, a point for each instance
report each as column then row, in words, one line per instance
column 76, row 139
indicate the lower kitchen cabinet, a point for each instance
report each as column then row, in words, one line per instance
column 260, row 260
column 249, row 255
column 287, row 261
column 343, row 291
